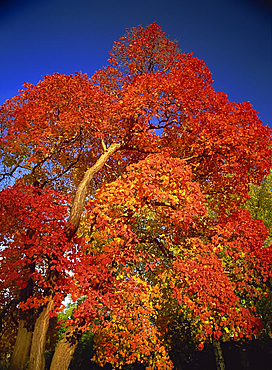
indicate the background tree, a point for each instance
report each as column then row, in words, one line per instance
column 260, row 206
column 260, row 203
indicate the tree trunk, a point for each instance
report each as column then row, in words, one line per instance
column 64, row 352
column 22, row 347
column 37, row 360
column 245, row 360
column 82, row 190
column 220, row 364
column 24, row 337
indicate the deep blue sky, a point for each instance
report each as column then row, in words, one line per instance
column 233, row 37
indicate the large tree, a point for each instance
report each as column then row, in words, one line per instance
column 164, row 162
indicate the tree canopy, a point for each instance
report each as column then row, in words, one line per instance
column 126, row 190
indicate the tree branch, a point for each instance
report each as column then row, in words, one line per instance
column 82, row 190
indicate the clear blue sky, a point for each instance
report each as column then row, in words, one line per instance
column 233, row 37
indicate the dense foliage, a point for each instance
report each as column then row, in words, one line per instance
column 127, row 191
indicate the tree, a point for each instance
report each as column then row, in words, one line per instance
column 209, row 270
column 164, row 162
column 260, row 203
column 34, row 251
column 260, row 206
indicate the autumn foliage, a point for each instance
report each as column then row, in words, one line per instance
column 128, row 194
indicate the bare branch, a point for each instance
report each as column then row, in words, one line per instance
column 82, row 190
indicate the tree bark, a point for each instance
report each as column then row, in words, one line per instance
column 37, row 360
column 64, row 352
column 82, row 190
column 22, row 347
column 220, row 364
column 24, row 336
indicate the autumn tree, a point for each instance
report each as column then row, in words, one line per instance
column 260, row 206
column 209, row 270
column 163, row 162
